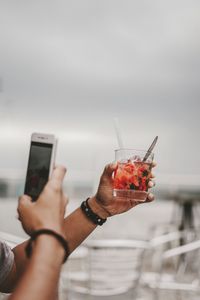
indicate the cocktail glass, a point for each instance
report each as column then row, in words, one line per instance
column 132, row 175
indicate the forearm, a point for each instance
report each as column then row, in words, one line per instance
column 40, row 279
column 78, row 227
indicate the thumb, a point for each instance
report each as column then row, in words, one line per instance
column 24, row 200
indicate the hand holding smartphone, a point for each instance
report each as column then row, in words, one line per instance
column 40, row 163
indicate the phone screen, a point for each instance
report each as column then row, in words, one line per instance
column 38, row 168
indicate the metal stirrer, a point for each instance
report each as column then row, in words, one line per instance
column 150, row 149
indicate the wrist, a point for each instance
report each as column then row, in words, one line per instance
column 97, row 208
column 57, row 229
column 50, row 246
column 49, row 241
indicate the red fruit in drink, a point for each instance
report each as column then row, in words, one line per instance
column 132, row 176
column 134, row 180
column 129, row 168
column 143, row 184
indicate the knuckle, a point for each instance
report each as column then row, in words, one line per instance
column 21, row 198
column 22, row 201
column 61, row 167
column 56, row 187
column 52, row 186
column 107, row 168
column 150, row 197
column 64, row 169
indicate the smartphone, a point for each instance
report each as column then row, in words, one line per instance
column 40, row 163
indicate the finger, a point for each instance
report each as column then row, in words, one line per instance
column 150, row 197
column 154, row 164
column 57, row 177
column 25, row 199
column 134, row 202
column 54, row 184
column 152, row 175
column 109, row 169
column 59, row 173
column 151, row 184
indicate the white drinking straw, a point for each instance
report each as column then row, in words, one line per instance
column 118, row 133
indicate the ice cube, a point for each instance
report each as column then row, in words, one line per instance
column 135, row 158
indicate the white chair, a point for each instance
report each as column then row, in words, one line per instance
column 112, row 269
column 181, row 280
column 159, row 244
column 105, row 267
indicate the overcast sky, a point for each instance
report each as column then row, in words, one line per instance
column 70, row 67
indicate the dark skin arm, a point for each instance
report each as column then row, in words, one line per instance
column 76, row 226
